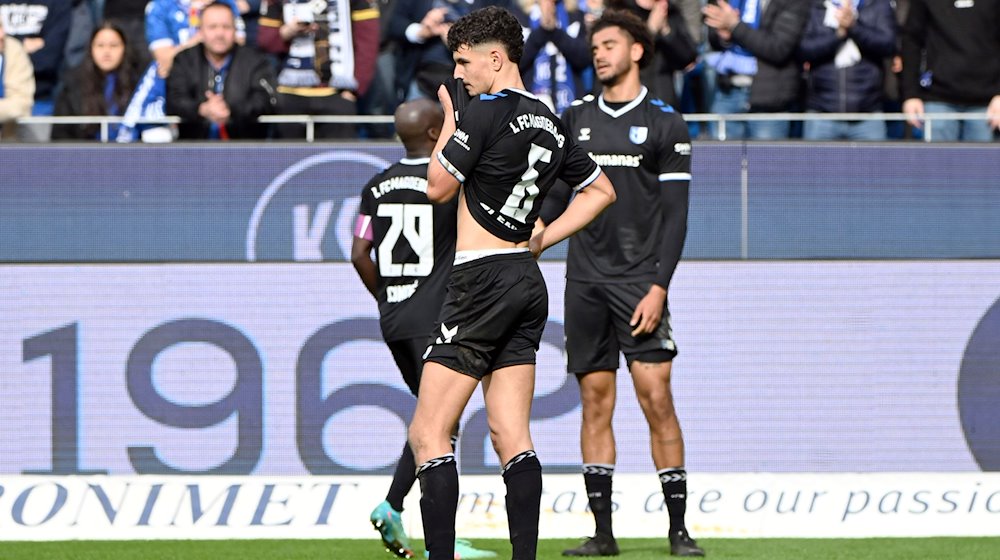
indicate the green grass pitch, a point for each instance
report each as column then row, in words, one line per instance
column 631, row 549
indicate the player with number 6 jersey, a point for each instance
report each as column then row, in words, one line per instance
column 503, row 156
column 505, row 135
column 414, row 244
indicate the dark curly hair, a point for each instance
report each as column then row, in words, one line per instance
column 632, row 26
column 488, row 25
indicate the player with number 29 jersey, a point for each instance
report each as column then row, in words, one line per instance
column 488, row 149
column 414, row 243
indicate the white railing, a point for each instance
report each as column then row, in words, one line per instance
column 928, row 118
column 104, row 121
column 310, row 121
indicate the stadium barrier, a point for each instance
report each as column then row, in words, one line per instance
column 325, row 507
column 722, row 120
column 186, row 353
column 279, row 202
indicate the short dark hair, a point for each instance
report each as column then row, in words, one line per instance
column 219, row 4
column 488, row 25
column 632, row 26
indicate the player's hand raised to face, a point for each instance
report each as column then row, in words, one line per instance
column 445, row 98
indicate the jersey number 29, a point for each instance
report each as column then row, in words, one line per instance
column 416, row 223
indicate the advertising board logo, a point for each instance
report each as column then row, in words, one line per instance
column 979, row 390
column 305, row 214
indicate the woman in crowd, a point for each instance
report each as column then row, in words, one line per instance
column 101, row 85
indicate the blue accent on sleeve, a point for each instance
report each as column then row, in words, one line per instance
column 663, row 106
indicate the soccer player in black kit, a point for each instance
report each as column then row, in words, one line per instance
column 414, row 242
column 619, row 268
column 501, row 159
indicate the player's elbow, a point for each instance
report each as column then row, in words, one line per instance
column 611, row 195
column 441, row 187
column 361, row 253
column 439, row 194
column 607, row 190
column 358, row 260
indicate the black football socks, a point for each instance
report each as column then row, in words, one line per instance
column 674, row 484
column 438, row 503
column 402, row 479
column 597, row 480
column 404, row 476
column 523, row 477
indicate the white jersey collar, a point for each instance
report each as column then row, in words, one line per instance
column 415, row 161
column 628, row 107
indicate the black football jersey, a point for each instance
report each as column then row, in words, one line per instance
column 507, row 152
column 643, row 147
column 414, row 244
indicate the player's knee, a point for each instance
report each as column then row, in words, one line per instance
column 597, row 400
column 422, row 437
column 415, row 437
column 658, row 399
column 506, row 441
column 497, row 441
column 661, row 413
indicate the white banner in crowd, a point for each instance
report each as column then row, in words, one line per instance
column 719, row 505
column 278, row 370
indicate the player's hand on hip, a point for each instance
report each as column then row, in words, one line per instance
column 648, row 313
column 536, row 245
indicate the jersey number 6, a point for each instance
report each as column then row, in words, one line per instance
column 522, row 198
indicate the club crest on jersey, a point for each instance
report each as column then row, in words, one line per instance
column 584, row 135
column 638, row 134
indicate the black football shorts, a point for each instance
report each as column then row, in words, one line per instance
column 597, row 328
column 408, row 354
column 494, row 313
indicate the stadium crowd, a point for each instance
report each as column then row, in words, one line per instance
column 365, row 57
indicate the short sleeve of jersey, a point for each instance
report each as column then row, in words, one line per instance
column 472, row 136
column 367, row 205
column 580, row 170
column 674, row 158
column 366, row 210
